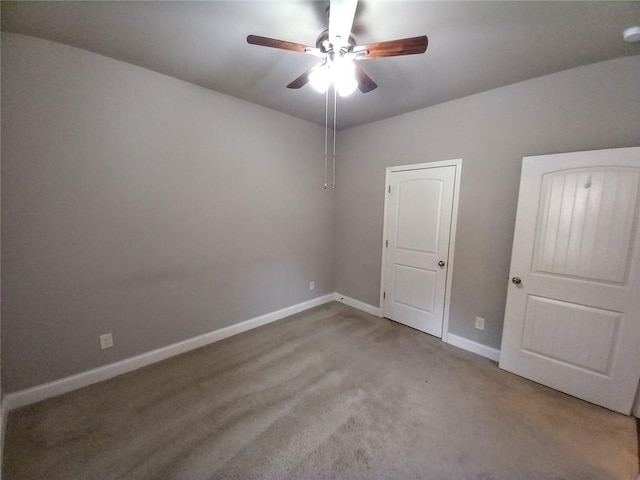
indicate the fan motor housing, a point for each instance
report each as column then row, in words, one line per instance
column 323, row 38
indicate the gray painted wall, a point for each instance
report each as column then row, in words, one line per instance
column 588, row 108
column 138, row 204
column 141, row 205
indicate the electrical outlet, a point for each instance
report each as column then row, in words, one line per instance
column 106, row 341
column 312, row 285
column 480, row 323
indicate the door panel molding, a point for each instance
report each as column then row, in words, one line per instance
column 452, row 233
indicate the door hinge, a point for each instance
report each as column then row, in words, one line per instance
column 387, row 243
column 389, row 188
column 384, row 295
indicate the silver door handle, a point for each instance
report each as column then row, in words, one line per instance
column 516, row 280
column 441, row 263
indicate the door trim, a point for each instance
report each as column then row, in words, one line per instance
column 452, row 236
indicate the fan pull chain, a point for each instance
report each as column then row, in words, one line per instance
column 326, row 134
column 335, row 116
column 326, row 137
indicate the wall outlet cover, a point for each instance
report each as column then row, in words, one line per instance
column 106, row 341
column 480, row 323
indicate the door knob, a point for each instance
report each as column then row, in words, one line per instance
column 441, row 263
column 516, row 280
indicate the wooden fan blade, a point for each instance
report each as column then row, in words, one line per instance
column 274, row 43
column 302, row 80
column 365, row 84
column 394, row 48
column 341, row 14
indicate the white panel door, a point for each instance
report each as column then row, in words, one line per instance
column 418, row 225
column 572, row 319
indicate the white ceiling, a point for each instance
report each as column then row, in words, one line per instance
column 473, row 46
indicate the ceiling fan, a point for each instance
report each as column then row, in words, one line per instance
column 338, row 51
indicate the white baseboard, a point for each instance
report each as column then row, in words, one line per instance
column 352, row 302
column 475, row 347
column 455, row 340
column 89, row 377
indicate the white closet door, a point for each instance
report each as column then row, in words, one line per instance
column 572, row 319
column 418, row 226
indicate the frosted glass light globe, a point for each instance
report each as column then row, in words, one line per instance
column 319, row 78
column 344, row 77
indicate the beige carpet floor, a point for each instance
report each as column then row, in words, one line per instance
column 329, row 393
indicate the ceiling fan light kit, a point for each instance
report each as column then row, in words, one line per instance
column 339, row 53
column 341, row 74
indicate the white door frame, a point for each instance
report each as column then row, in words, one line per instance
column 452, row 238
